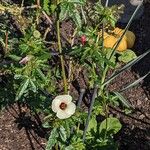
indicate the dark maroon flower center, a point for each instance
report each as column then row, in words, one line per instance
column 63, row 106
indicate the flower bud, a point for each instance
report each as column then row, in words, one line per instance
column 83, row 39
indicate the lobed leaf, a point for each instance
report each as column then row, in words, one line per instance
column 52, row 139
column 62, row 133
column 22, row 88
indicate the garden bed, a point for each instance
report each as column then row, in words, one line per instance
column 19, row 129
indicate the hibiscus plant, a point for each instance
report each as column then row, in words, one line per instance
column 43, row 64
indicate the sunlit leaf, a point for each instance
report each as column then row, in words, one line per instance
column 52, row 139
column 14, row 57
column 92, row 124
column 41, row 75
column 62, row 133
column 22, row 88
column 127, row 56
column 33, row 86
column 111, row 125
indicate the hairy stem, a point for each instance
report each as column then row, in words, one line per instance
column 60, row 51
column 6, row 41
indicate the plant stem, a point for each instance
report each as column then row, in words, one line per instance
column 70, row 61
column 61, row 57
column 56, row 146
column 106, row 116
column 6, row 41
column 38, row 3
column 21, row 8
column 105, row 106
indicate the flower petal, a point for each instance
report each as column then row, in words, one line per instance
column 62, row 114
column 70, row 108
column 65, row 98
column 55, row 104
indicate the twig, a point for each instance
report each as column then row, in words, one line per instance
column 30, row 7
column 47, row 17
column 46, row 32
column 38, row 3
column 22, row 3
column 6, row 41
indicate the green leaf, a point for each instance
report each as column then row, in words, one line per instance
column 110, row 125
column 123, row 100
column 41, row 75
column 70, row 147
column 81, row 2
column 64, row 12
column 127, row 56
column 46, row 4
column 62, row 133
column 23, row 47
column 83, row 15
column 15, row 57
column 53, row 7
column 46, row 125
column 92, row 124
column 18, row 76
column 33, row 86
column 52, row 139
column 77, row 19
column 2, row 42
column 69, row 9
column 22, row 88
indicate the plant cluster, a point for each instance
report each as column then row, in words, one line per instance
column 41, row 69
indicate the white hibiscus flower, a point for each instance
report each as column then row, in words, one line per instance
column 136, row 2
column 63, row 106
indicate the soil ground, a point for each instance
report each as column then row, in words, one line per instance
column 20, row 130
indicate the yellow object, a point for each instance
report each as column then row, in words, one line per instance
column 126, row 42
column 105, row 34
column 118, row 31
column 130, row 39
column 110, row 42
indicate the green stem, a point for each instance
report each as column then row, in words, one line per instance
column 70, row 61
column 61, row 57
column 105, row 105
column 56, row 146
